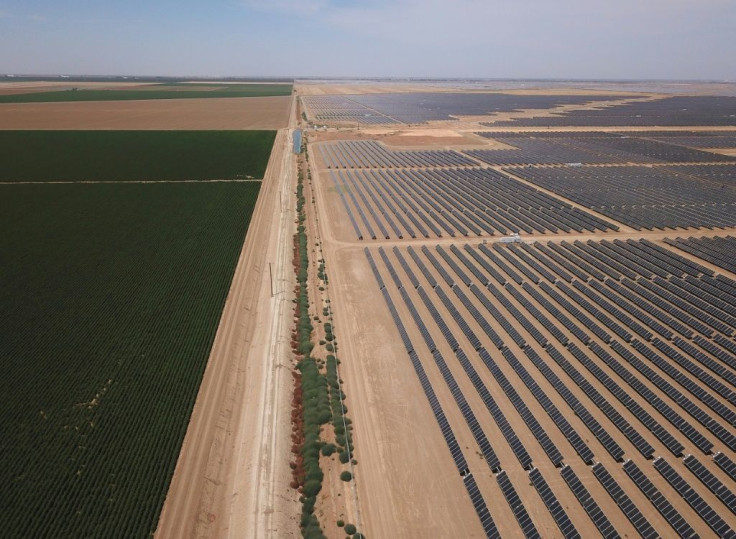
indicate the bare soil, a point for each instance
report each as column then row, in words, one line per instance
column 211, row 113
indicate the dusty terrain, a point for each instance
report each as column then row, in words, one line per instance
column 346, row 88
column 209, row 113
column 232, row 477
column 23, row 87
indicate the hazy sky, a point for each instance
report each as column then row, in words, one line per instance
column 671, row 39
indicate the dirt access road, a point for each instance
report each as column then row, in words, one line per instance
column 232, row 477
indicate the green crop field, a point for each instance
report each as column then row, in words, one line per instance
column 166, row 91
column 110, row 296
column 133, row 155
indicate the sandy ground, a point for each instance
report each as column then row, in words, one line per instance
column 232, row 476
column 306, row 88
column 212, row 113
column 521, row 87
column 8, row 87
column 342, row 88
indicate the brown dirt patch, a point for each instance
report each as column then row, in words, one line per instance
column 214, row 113
column 27, row 87
column 433, row 138
column 722, row 151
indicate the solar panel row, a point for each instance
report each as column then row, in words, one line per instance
column 454, row 201
column 576, row 147
column 618, row 495
column 372, row 154
column 668, row 111
column 457, row 455
column 517, row 507
column 553, row 505
column 595, row 513
column 641, row 196
column 714, row 484
column 673, row 517
column 718, row 250
column 578, row 302
column 706, row 512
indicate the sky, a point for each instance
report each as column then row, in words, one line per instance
column 563, row 39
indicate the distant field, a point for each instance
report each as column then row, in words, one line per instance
column 166, row 91
column 156, row 114
column 111, row 295
column 40, row 156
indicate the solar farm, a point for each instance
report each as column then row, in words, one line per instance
column 538, row 330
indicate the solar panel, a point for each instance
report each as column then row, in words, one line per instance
column 706, row 512
column 537, row 430
column 595, row 513
column 554, row 413
column 517, row 507
column 632, row 512
column 580, row 410
column 675, row 519
column 553, row 506
column 725, row 464
column 481, row 508
column 714, row 484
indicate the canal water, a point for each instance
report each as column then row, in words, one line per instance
column 297, row 141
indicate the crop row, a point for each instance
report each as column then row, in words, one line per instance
column 110, row 302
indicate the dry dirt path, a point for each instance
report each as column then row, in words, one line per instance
column 232, row 476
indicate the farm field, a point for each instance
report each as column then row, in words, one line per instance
column 72, row 156
column 576, row 380
column 200, row 114
column 152, row 91
column 111, row 297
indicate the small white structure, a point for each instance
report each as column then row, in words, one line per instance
column 511, row 239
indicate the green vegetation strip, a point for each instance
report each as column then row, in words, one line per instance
column 152, row 92
column 318, row 399
column 110, row 297
column 315, row 406
column 133, row 155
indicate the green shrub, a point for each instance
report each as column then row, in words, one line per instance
column 346, row 476
column 350, row 529
column 324, row 417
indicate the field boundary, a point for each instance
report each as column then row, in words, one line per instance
column 214, row 479
column 254, row 180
